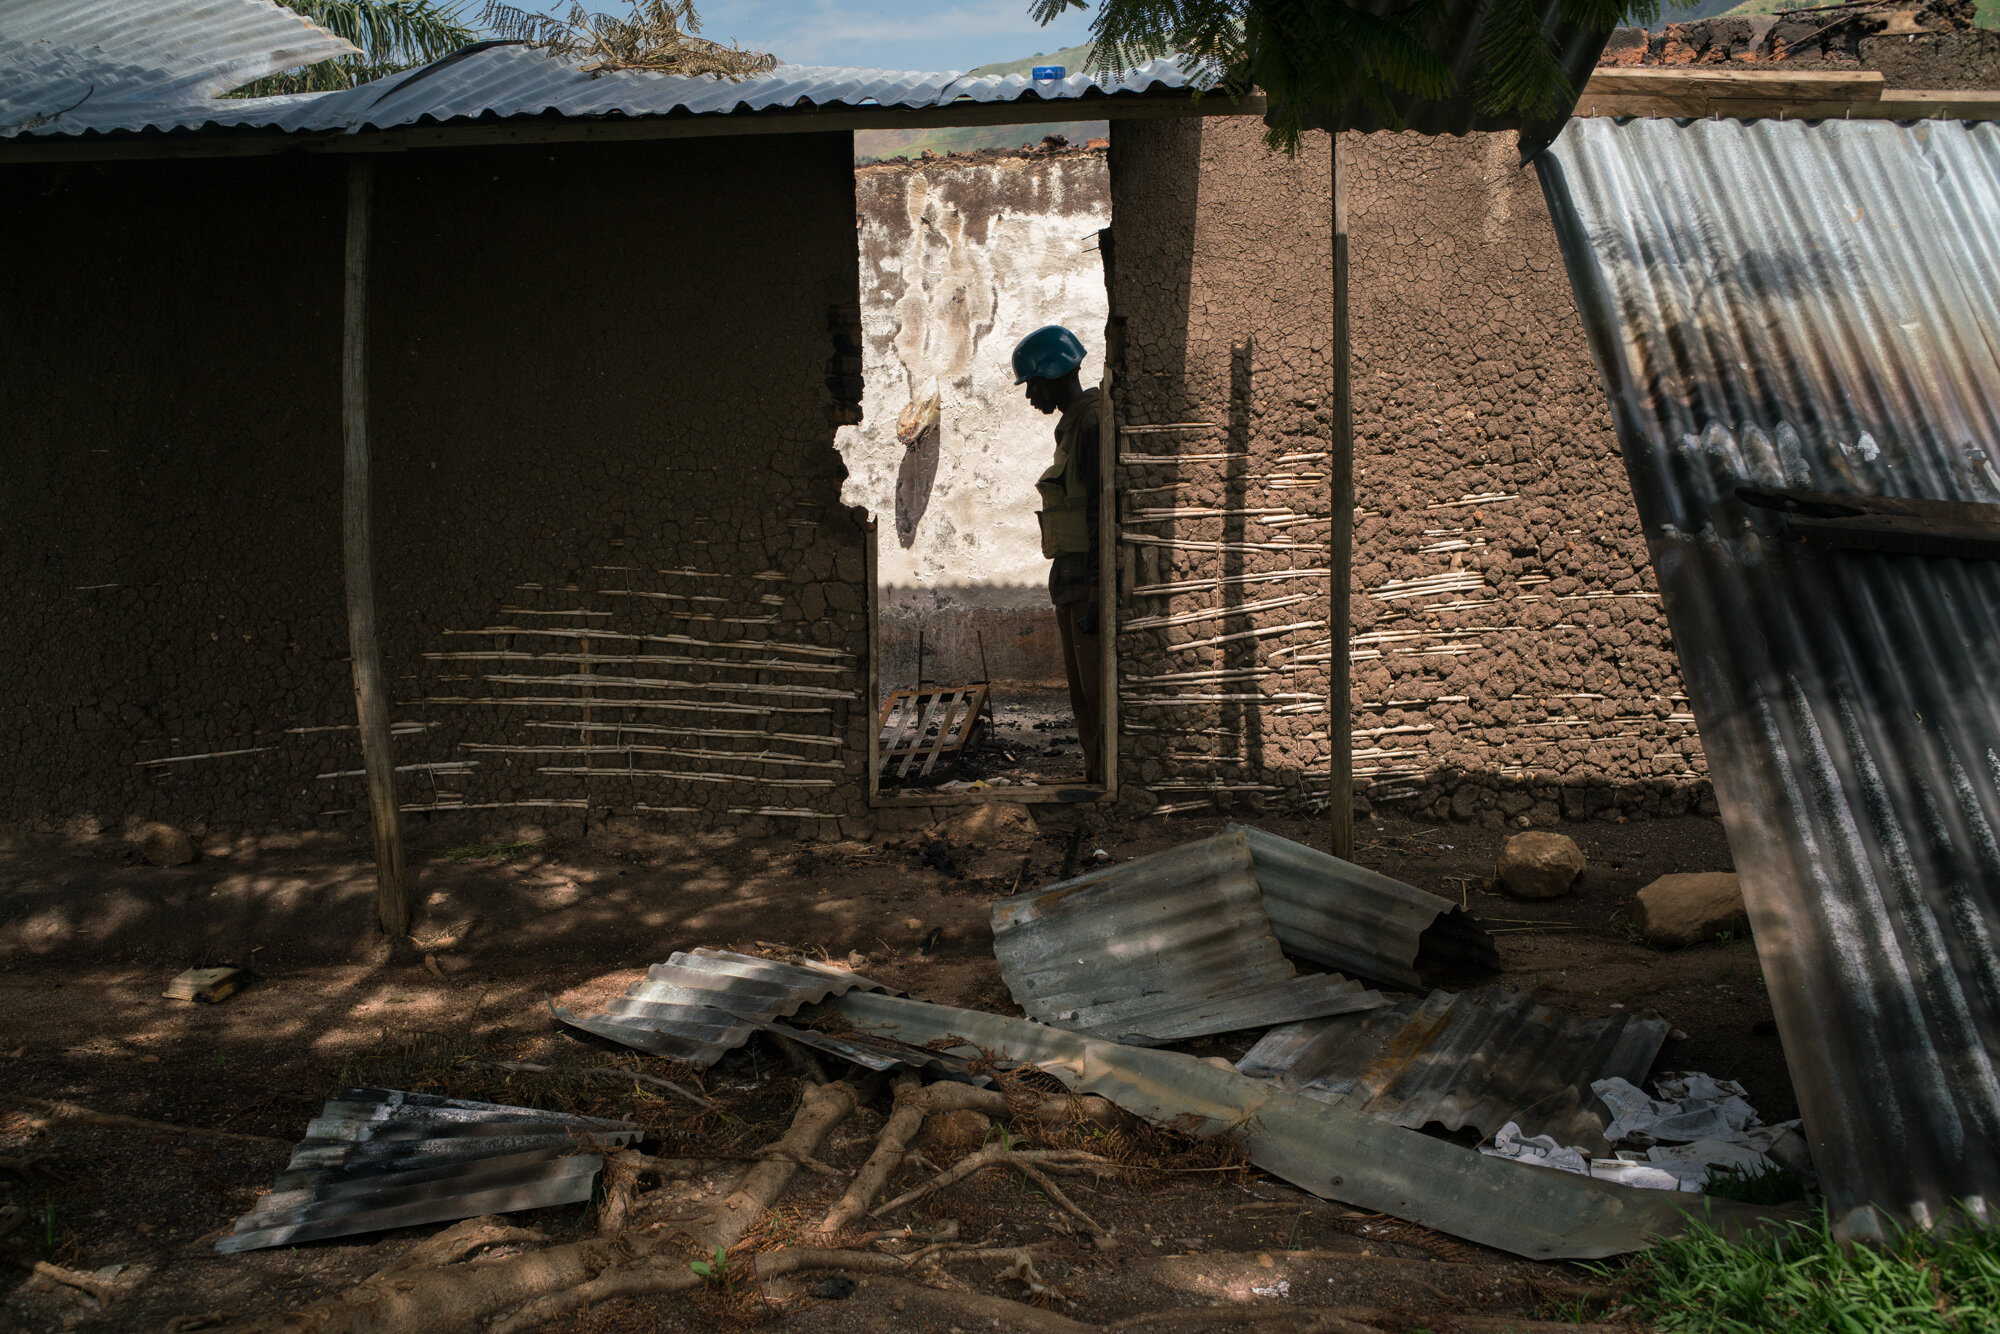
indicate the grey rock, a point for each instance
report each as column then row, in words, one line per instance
column 1678, row 910
column 164, row 845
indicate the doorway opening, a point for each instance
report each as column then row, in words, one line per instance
column 963, row 252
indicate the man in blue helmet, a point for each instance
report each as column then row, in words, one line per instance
column 1047, row 362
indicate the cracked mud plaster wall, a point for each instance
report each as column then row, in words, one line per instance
column 599, row 417
column 1510, row 659
column 961, row 258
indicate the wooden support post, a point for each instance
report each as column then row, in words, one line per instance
column 395, row 903
column 1340, row 541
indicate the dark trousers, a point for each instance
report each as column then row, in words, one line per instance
column 1083, row 660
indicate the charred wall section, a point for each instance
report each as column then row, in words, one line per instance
column 609, row 527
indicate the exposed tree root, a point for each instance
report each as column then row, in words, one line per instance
column 822, row 1108
column 998, row 1155
column 982, row 1308
column 71, row 1278
column 60, row 1113
column 606, row 1072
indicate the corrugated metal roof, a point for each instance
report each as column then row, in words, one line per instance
column 879, row 1053
column 1357, row 920
column 696, row 1006
column 1817, row 306
column 122, row 60
column 1330, row 1150
column 1173, row 945
column 381, row 1158
column 1474, row 1059
column 505, row 80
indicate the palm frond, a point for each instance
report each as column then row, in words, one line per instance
column 1520, row 69
column 393, row 35
column 658, row 35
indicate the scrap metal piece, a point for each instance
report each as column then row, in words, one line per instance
column 1357, row 920
column 879, row 1053
column 1333, row 1151
column 698, row 1005
column 1173, row 945
column 210, row 985
column 381, row 1158
column 1477, row 1059
column 1813, row 308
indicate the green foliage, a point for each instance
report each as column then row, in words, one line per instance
column 1313, row 57
column 479, row 852
column 1772, row 1184
column 392, row 34
column 714, row 1272
column 1801, row 1281
column 657, row 35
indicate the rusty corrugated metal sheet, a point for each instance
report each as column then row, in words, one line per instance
column 1357, row 920
column 121, row 59
column 375, row 1159
column 1817, row 306
column 698, row 1005
column 1477, row 1059
column 1173, row 945
column 1330, row 1150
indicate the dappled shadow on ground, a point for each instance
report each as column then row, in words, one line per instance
column 89, row 937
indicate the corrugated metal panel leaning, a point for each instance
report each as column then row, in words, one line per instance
column 698, row 1005
column 1172, row 945
column 1817, row 306
column 381, row 1158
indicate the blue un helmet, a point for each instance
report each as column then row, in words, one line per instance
column 1049, row 353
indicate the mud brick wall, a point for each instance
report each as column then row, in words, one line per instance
column 1947, row 54
column 1510, row 655
column 609, row 533
column 1510, row 658
column 1221, row 284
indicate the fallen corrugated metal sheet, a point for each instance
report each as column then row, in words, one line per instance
column 1475, row 1059
column 1817, row 306
column 879, row 1053
column 1357, row 920
column 122, row 59
column 1324, row 1148
column 381, row 1158
column 1173, row 945
column 698, row 1005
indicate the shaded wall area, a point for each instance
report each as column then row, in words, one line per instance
column 1222, row 288
column 609, row 527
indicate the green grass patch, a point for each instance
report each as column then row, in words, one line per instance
column 1755, row 1185
column 1801, row 1281
column 480, row 852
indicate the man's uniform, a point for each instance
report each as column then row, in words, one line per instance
column 1070, row 494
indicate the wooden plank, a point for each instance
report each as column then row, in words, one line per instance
column 1894, row 525
column 1715, row 81
column 930, row 703
column 951, row 703
column 395, row 899
column 1340, row 542
column 1108, row 553
column 868, row 574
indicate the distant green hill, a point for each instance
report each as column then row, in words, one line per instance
column 1986, row 13
column 881, row 145
column 1075, row 59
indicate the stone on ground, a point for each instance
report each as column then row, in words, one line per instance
column 1538, row 865
column 962, row 1130
column 1678, row 910
column 992, row 824
column 163, row 845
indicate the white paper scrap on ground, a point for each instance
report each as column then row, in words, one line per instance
column 1670, row 1142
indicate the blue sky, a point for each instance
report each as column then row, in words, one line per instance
column 890, row 34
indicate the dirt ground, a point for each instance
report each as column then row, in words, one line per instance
column 89, row 936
